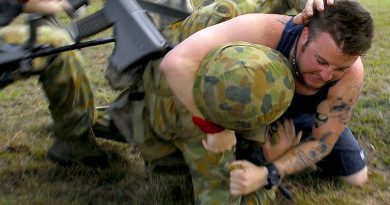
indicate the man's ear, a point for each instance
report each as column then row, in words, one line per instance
column 305, row 34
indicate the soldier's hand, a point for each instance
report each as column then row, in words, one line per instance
column 220, row 142
column 308, row 11
column 46, row 6
column 285, row 139
column 246, row 177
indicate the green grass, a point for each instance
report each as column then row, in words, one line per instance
column 27, row 177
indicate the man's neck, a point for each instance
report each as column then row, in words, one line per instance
column 300, row 85
column 304, row 89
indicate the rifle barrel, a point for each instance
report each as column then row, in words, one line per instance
column 49, row 51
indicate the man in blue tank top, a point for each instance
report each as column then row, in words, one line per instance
column 325, row 57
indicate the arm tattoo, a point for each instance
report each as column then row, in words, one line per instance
column 320, row 120
column 341, row 110
column 309, row 157
column 306, row 156
column 338, row 109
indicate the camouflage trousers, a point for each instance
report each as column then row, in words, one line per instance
column 209, row 172
column 63, row 79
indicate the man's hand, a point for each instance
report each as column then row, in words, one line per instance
column 308, row 11
column 220, row 142
column 246, row 177
column 46, row 6
column 285, row 139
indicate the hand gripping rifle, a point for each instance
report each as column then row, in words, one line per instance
column 136, row 37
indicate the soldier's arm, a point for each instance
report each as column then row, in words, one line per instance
column 181, row 64
column 333, row 114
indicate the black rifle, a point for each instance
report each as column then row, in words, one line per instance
column 15, row 60
column 136, row 37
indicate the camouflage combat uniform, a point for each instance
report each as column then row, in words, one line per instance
column 210, row 13
column 168, row 126
column 63, row 79
column 69, row 93
column 159, row 124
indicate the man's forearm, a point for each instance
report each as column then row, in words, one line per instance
column 332, row 116
column 304, row 155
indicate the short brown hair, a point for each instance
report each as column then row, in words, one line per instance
column 348, row 23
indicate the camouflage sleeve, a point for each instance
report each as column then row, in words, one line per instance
column 207, row 14
column 267, row 6
column 196, row 4
column 298, row 5
column 282, row 6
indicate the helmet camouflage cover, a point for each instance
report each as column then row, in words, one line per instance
column 242, row 86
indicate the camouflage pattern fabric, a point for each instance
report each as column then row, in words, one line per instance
column 162, row 20
column 197, row 4
column 268, row 6
column 208, row 14
column 63, row 79
column 167, row 126
column 159, row 124
column 243, row 86
column 210, row 176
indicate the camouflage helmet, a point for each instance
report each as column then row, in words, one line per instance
column 242, row 86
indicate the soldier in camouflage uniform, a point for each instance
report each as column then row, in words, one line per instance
column 72, row 121
column 160, row 125
column 66, row 85
column 206, row 13
column 254, row 86
column 75, row 142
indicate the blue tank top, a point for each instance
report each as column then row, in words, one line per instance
column 289, row 36
column 301, row 104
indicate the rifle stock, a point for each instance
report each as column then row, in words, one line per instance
column 137, row 38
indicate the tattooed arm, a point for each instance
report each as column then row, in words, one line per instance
column 332, row 117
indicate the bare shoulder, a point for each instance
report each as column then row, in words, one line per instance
column 263, row 29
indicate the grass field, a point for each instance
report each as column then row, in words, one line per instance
column 27, row 177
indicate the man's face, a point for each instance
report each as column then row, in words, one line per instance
column 321, row 61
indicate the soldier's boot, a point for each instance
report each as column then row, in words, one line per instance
column 82, row 150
